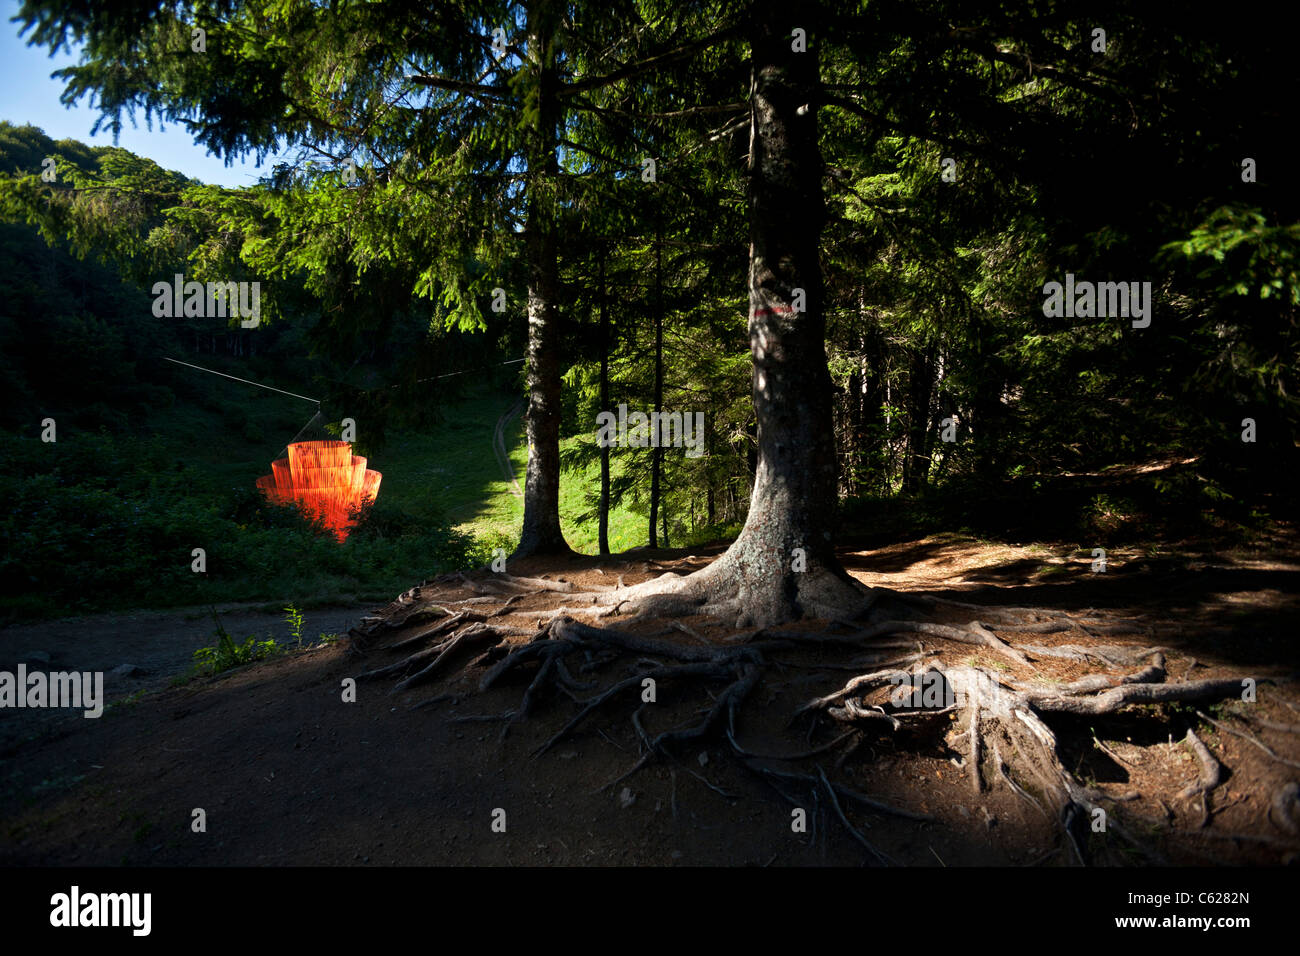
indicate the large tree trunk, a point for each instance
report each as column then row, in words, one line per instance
column 783, row 564
column 541, row 531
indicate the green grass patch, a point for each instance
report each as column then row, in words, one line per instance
column 109, row 521
column 226, row 653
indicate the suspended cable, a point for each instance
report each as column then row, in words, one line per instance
column 317, row 401
column 301, row 431
column 434, row 378
column 244, row 380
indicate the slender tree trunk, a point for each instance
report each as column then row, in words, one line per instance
column 874, row 457
column 541, row 530
column 854, row 446
column 710, row 495
column 988, row 411
column 663, row 512
column 916, row 465
column 604, row 406
column 657, row 452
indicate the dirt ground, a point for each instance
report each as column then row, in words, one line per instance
column 287, row 772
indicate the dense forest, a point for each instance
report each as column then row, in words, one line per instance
column 960, row 178
column 1011, row 271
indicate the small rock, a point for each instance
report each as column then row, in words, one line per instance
column 626, row 798
column 568, row 755
column 703, row 758
column 125, row 670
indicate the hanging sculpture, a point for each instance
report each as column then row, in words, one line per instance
column 324, row 479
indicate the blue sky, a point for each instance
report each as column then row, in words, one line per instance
column 29, row 95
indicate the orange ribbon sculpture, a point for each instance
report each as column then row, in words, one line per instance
column 324, row 479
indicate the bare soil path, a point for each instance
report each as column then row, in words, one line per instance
column 146, row 648
column 287, row 772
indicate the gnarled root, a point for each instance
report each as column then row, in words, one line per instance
column 1008, row 716
column 999, row 713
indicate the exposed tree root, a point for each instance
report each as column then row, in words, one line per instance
column 1211, row 773
column 724, row 590
column 531, row 585
column 1249, row 739
column 1284, row 809
column 995, row 714
column 1115, row 656
column 813, row 783
column 423, row 635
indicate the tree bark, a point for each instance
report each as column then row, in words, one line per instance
column 541, row 529
column 604, row 406
column 663, row 512
column 657, row 452
column 916, row 467
column 783, row 564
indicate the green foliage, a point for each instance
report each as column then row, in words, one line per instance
column 210, row 661
column 293, row 617
column 1266, row 258
column 103, row 522
column 1107, row 168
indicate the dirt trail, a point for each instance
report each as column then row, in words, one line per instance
column 289, row 772
column 158, row 645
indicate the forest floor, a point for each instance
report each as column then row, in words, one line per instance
column 289, row 773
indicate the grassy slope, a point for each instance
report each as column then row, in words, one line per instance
column 448, row 471
column 451, row 470
column 195, row 488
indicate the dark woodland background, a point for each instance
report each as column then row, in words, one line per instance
column 1125, row 165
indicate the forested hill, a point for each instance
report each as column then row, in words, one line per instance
column 150, row 453
column 986, row 222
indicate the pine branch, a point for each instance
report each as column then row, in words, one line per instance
column 456, row 86
column 683, row 52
